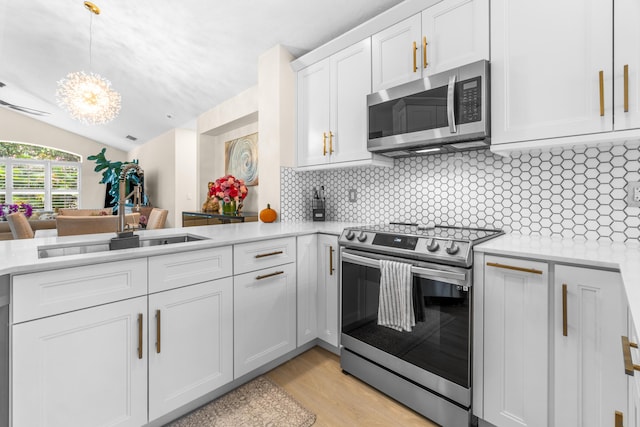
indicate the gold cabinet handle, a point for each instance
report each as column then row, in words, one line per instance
column 330, row 142
column 415, row 59
column 324, row 143
column 629, row 366
column 269, row 254
column 265, row 276
column 618, row 419
column 601, row 78
column 564, row 310
column 139, row 335
column 424, row 52
column 511, row 267
column 158, row 334
column 331, row 269
column 626, row 88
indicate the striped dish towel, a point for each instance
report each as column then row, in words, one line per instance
column 395, row 305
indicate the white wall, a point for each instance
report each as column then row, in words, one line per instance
column 18, row 127
column 186, row 178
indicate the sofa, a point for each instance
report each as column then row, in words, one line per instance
column 69, row 225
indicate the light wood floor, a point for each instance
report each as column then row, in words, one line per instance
column 315, row 379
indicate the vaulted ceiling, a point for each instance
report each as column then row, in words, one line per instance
column 170, row 60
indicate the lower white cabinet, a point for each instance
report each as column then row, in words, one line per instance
column 264, row 316
column 516, row 350
column 307, row 288
column 328, row 289
column 590, row 317
column 84, row 368
column 190, row 344
column 549, row 352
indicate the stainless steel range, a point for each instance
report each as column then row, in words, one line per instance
column 429, row 367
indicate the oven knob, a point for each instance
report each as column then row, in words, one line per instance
column 433, row 245
column 350, row 235
column 362, row 237
column 452, row 248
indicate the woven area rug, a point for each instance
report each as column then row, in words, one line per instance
column 259, row 403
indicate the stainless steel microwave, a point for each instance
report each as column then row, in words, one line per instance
column 444, row 112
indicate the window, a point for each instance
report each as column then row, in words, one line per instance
column 47, row 179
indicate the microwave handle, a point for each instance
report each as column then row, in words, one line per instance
column 428, row 273
column 451, row 114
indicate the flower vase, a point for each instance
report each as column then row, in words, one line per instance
column 229, row 208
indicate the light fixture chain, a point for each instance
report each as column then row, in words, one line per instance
column 90, row 42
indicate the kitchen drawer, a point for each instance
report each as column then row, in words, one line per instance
column 267, row 253
column 48, row 293
column 188, row 268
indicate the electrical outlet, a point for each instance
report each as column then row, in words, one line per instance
column 633, row 194
column 353, row 195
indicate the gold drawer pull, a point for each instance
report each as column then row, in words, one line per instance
column 158, row 334
column 331, row 269
column 601, row 79
column 330, row 142
column 269, row 254
column 629, row 366
column 265, row 276
column 564, row 310
column 415, row 59
column 140, row 336
column 424, row 52
column 511, row 267
column 618, row 419
column 626, row 88
column 324, row 143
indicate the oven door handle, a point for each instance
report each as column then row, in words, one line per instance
column 418, row 271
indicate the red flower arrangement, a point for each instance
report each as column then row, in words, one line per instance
column 228, row 188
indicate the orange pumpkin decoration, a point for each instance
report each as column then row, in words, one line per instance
column 268, row 214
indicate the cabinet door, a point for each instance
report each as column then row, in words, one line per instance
column 264, row 316
column 313, row 114
column 85, row 368
column 190, row 344
column 632, row 415
column 516, row 349
column 456, row 32
column 350, row 85
column 328, row 289
column 307, row 288
column 627, row 38
column 394, row 58
column 590, row 384
column 545, row 77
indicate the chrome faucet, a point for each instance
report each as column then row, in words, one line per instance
column 123, row 197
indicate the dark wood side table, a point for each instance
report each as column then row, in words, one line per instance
column 192, row 219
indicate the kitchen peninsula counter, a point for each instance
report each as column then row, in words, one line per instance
column 21, row 256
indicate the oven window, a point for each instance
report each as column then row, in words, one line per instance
column 422, row 111
column 439, row 343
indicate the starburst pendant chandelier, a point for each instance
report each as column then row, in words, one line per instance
column 87, row 96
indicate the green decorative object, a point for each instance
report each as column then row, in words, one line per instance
column 229, row 208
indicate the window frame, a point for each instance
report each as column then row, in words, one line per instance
column 49, row 192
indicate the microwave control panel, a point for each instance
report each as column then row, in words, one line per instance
column 469, row 100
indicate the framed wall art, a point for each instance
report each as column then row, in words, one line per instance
column 241, row 158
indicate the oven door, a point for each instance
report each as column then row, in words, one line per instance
column 436, row 353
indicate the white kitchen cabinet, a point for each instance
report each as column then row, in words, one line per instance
column 332, row 110
column 190, row 344
column 626, row 41
column 515, row 339
column 631, row 418
column 328, row 290
column 264, row 316
column 84, row 368
column 557, row 87
column 447, row 35
column 589, row 319
column 307, row 288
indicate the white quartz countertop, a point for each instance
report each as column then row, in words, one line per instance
column 624, row 257
column 21, row 256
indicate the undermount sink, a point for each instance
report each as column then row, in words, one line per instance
column 51, row 251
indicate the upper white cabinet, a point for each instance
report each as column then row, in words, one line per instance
column 446, row 35
column 557, row 86
column 590, row 318
column 332, row 109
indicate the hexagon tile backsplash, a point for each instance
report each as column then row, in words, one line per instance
column 577, row 193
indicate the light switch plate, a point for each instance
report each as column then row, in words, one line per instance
column 353, row 195
column 633, row 194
